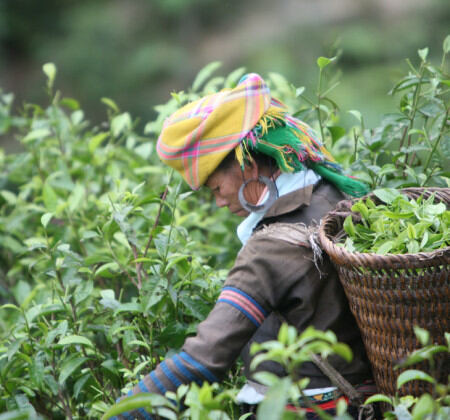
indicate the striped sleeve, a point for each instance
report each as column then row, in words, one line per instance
column 243, row 303
column 169, row 375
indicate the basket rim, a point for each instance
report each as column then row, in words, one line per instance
column 380, row 261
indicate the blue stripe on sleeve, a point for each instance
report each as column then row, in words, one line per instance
column 241, row 309
column 158, row 383
column 143, row 387
column 205, row 372
column 145, row 414
column 170, row 375
column 234, row 289
column 185, row 371
column 127, row 416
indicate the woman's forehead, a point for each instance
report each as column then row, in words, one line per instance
column 224, row 175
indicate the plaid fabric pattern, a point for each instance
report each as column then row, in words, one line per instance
column 197, row 137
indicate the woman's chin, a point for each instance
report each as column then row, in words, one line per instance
column 240, row 212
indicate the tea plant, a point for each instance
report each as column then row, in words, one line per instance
column 428, row 406
column 401, row 225
column 108, row 262
column 410, row 147
column 99, row 277
column 290, row 350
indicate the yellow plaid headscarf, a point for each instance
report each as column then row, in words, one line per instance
column 197, row 137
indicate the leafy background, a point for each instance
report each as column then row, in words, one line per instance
column 107, row 260
column 137, row 51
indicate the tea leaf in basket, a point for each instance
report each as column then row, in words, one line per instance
column 398, row 225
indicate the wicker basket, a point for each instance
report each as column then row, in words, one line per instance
column 389, row 294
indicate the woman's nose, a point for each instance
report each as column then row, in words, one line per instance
column 220, row 201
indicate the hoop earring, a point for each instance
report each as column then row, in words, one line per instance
column 273, row 195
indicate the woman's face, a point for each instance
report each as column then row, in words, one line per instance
column 225, row 184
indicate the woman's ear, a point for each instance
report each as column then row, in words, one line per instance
column 251, row 170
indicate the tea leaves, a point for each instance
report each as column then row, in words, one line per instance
column 398, row 225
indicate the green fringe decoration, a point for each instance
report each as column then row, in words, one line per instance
column 281, row 145
column 344, row 183
column 293, row 151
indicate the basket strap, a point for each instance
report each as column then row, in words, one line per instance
column 355, row 397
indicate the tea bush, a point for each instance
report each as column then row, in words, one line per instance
column 107, row 261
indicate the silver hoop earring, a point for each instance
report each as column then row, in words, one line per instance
column 273, row 195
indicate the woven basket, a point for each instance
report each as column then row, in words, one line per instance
column 389, row 294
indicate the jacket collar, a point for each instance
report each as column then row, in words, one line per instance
column 290, row 202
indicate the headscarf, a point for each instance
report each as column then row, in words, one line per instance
column 196, row 138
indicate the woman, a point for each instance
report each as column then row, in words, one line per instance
column 268, row 167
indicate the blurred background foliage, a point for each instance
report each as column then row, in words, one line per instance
column 138, row 51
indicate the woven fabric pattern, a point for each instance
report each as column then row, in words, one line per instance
column 197, row 137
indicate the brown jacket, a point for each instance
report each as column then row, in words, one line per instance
column 270, row 276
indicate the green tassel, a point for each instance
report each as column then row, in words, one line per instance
column 279, row 143
column 292, row 155
column 344, row 183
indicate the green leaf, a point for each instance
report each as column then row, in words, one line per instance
column 336, row 132
column 50, row 71
column 387, row 195
column 17, row 415
column 108, row 299
column 275, row 400
column 245, row 416
column 233, row 78
column 79, row 384
column 50, row 197
column 10, row 306
column 349, row 227
column 266, row 378
column 423, row 53
column 411, row 231
column 446, row 44
column 378, row 398
column 385, row 248
column 423, row 407
column 107, row 270
column 75, row 339
column 95, row 141
column 9, row 197
column 422, row 354
column 129, row 404
column 46, row 218
column 128, row 307
column 120, row 124
column 39, row 133
column 83, row 291
column 422, row 335
column 401, row 412
column 70, row 103
column 299, row 91
column 412, row 375
column 356, row 114
column 76, row 198
column 37, row 371
column 322, row 62
column 111, row 104
column 69, row 367
column 204, row 74
column 343, row 350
